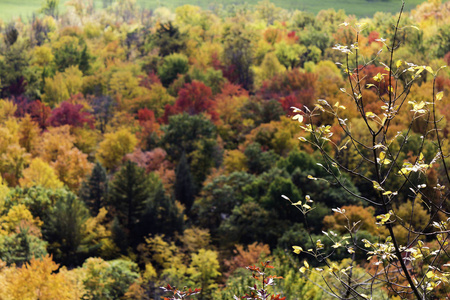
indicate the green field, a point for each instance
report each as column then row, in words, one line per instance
column 24, row 8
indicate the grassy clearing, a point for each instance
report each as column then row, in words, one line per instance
column 24, row 8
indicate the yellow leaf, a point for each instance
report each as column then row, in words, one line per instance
column 378, row 77
column 306, row 264
column 370, row 114
column 439, row 96
column 398, row 63
column 429, row 69
column 297, row 249
column 430, row 274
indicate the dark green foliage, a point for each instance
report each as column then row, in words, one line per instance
column 94, row 191
column 262, row 111
column 249, row 223
column 84, row 64
column 65, row 230
column 282, row 208
column 298, row 160
column 184, row 186
column 119, row 236
column 18, row 248
column 66, row 56
column 259, row 161
column 161, row 214
column 219, row 197
column 10, row 34
column 38, row 200
column 173, row 65
column 169, row 39
column 294, row 235
column 315, row 217
column 129, row 195
column 12, row 70
column 196, row 136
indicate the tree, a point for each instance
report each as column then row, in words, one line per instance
column 162, row 215
column 12, row 70
column 72, row 167
column 184, row 186
column 38, row 279
column 20, row 247
column 108, row 279
column 238, row 55
column 94, row 191
column 128, row 197
column 195, row 98
column 114, row 147
column 169, row 39
column 70, row 114
column 203, row 269
column 194, row 135
column 39, row 173
column 173, row 65
column 65, row 230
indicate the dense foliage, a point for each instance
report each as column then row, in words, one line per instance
column 144, row 148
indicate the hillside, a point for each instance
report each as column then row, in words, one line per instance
column 361, row 8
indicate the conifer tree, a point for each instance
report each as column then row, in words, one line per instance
column 129, row 194
column 184, row 185
column 161, row 216
column 94, row 191
column 65, row 230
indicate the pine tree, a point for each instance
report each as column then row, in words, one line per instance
column 94, row 191
column 161, row 216
column 84, row 65
column 184, row 186
column 129, row 194
column 65, row 230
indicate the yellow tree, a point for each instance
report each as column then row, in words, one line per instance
column 204, row 269
column 39, row 173
column 115, row 145
column 37, row 280
column 54, row 142
column 28, row 133
column 72, row 167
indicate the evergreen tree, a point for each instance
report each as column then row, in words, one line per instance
column 65, row 230
column 94, row 191
column 84, row 64
column 184, row 185
column 119, row 236
column 161, row 216
column 169, row 39
column 129, row 194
